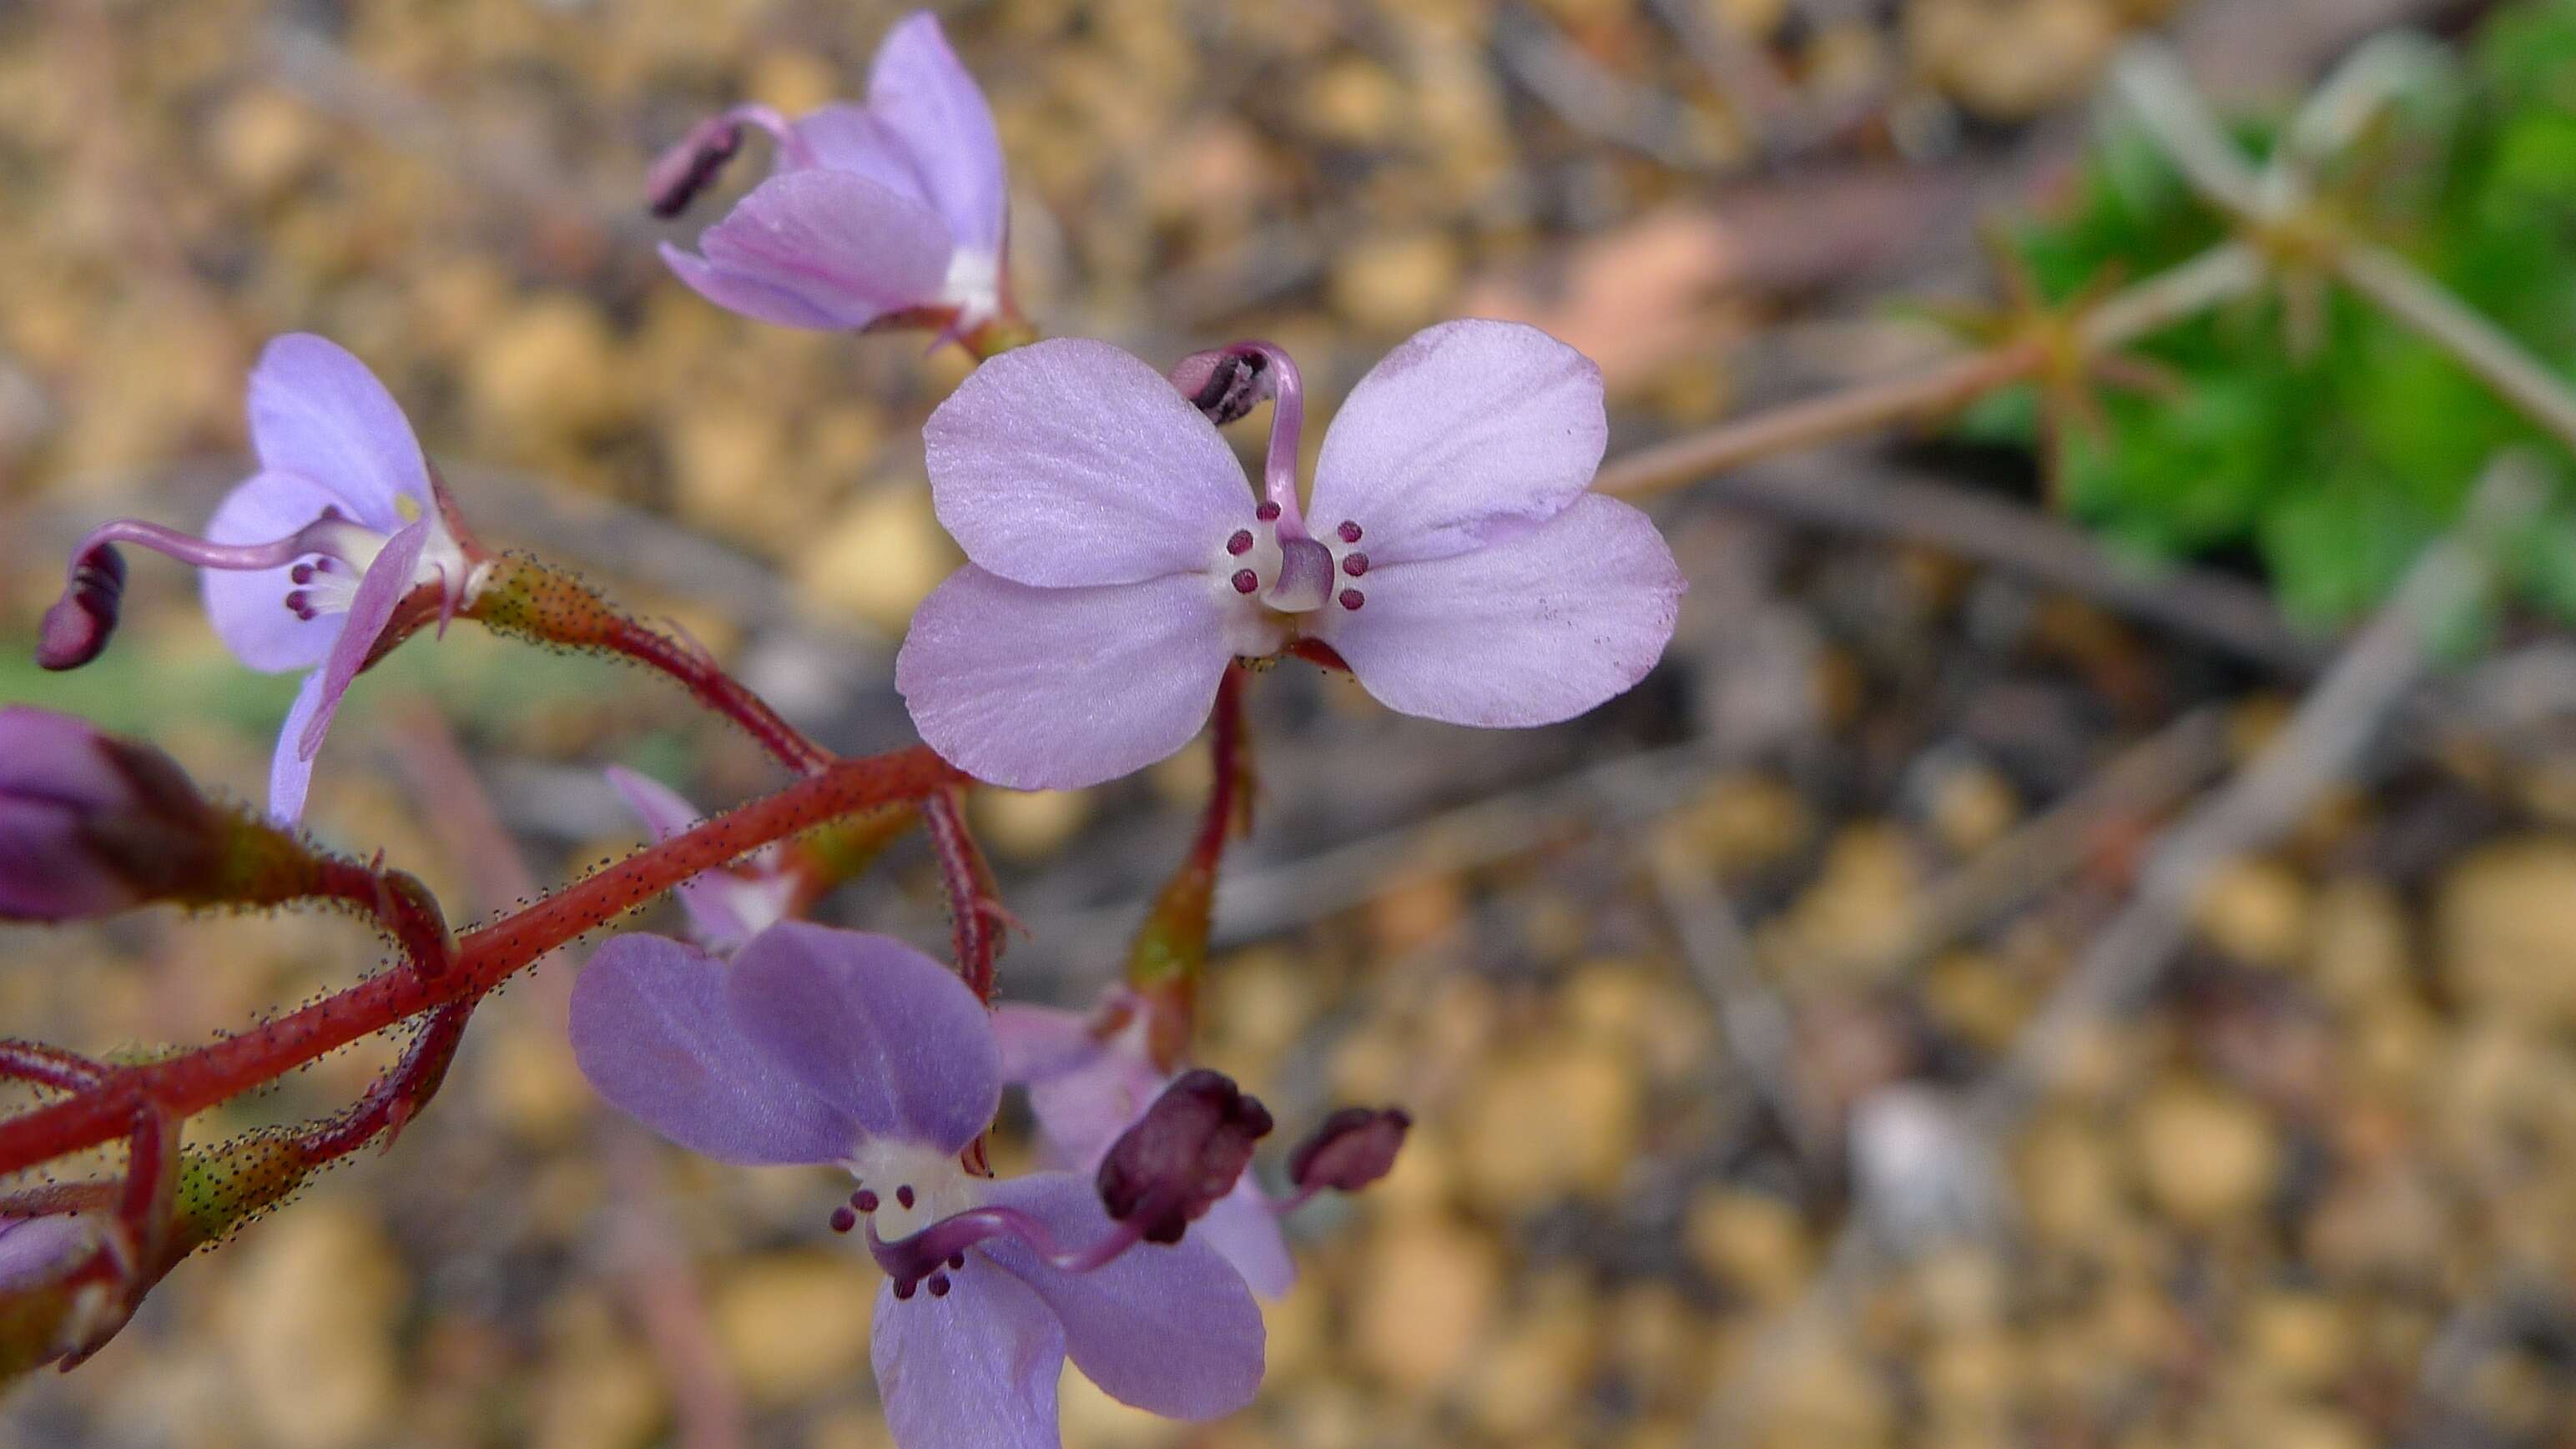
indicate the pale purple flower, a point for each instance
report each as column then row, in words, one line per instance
column 1087, row 1086
column 308, row 561
column 893, row 211
column 726, row 906
column 91, row 824
column 834, row 1047
column 1117, row 561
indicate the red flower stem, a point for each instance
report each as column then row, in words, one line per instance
column 397, row 901
column 1170, row 952
column 975, row 918
column 711, row 686
column 190, row 1082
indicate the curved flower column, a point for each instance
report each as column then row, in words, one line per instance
column 1117, row 561
column 1085, row 1089
column 833, row 1047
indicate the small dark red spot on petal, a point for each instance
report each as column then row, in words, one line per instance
column 1355, row 564
column 1266, row 512
column 938, row 1285
column 843, row 1220
column 1349, row 531
column 903, row 1194
column 1241, row 543
column 1353, row 598
column 1245, row 581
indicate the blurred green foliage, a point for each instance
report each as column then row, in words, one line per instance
column 2334, row 443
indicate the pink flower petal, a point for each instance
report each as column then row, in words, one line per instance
column 1171, row 1330
column 316, row 410
column 978, row 1366
column 1055, row 689
column 248, row 608
column 823, row 249
column 1245, row 1232
column 1071, row 463
column 652, row 1030
column 874, row 1027
column 1469, row 431
column 928, row 105
column 290, row 770
column 1527, row 631
column 380, row 588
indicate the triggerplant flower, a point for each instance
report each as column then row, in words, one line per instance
column 889, row 213
column 823, row 1046
column 1457, row 564
column 1088, row 1085
column 308, row 562
column 726, row 906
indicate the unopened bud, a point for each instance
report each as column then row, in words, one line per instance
column 1353, row 1148
column 1182, row 1155
column 1224, row 382
column 78, row 625
column 92, row 824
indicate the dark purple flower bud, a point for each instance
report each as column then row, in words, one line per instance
column 79, row 623
column 91, row 824
column 1182, row 1155
column 1224, row 382
column 1353, row 1148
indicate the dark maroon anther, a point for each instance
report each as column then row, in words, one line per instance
column 1224, row 383
column 297, row 604
column 956, row 1260
column 79, row 624
column 302, row 573
column 1349, row 531
column 1182, row 1155
column 1245, row 581
column 843, row 1220
column 1355, row 564
column 1240, row 544
column 903, row 1195
column 1267, row 512
column 1353, row 1148
column 864, row 1200
column 938, row 1285
column 903, row 1290
column 688, row 168
column 1353, row 598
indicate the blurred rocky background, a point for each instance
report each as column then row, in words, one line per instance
column 1686, row 996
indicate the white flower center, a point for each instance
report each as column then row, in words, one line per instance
column 327, row 583
column 914, row 1186
column 973, row 286
column 1269, row 581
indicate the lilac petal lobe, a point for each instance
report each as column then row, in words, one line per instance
column 1056, row 689
column 315, row 409
column 652, row 1030
column 978, row 1366
column 844, row 137
column 820, row 248
column 1468, row 431
column 1245, row 1231
column 1527, row 631
column 1171, row 1330
column 290, row 770
column 1039, row 1041
column 1070, row 462
column 876, row 1028
column 248, row 607
column 380, row 588
column 932, row 110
